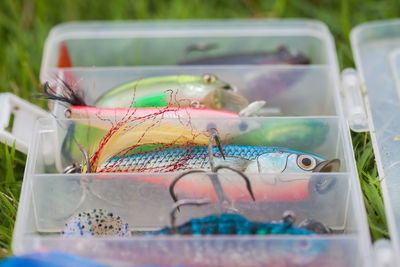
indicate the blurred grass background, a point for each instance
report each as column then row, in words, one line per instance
column 24, row 25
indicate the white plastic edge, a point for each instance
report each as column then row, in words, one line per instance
column 25, row 115
column 352, row 94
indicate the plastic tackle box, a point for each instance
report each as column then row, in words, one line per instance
column 105, row 55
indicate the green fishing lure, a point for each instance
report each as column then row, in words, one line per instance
column 205, row 91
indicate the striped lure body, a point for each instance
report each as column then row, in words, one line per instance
column 251, row 159
column 232, row 224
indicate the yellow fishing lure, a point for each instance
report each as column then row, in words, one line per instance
column 133, row 135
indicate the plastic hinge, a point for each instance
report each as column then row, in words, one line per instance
column 354, row 106
column 384, row 256
column 25, row 116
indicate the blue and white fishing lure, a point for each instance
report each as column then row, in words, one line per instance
column 248, row 159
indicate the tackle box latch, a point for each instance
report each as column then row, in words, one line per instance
column 17, row 120
column 354, row 106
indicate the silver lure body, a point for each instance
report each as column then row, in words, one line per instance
column 249, row 159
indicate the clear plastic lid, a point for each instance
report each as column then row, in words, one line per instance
column 376, row 48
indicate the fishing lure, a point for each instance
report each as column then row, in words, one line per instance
column 281, row 55
column 240, row 158
column 205, row 91
column 96, row 222
column 249, row 159
column 229, row 224
column 142, row 135
column 299, row 250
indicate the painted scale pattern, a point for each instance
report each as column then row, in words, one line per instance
column 184, row 158
column 228, row 224
column 96, row 222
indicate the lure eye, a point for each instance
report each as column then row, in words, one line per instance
column 209, row 78
column 306, row 162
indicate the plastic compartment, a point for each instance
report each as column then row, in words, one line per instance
column 105, row 55
column 376, row 47
column 51, row 198
column 287, row 90
column 144, row 44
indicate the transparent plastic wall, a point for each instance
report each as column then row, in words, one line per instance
column 50, row 199
column 376, row 48
column 303, row 112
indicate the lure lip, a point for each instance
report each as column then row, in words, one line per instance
column 332, row 165
column 322, row 184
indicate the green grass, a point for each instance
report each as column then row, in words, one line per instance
column 370, row 185
column 24, row 26
column 11, row 170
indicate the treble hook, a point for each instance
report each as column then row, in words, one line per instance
column 183, row 202
column 216, row 183
column 245, row 178
column 73, row 168
column 84, row 181
column 214, row 137
column 85, row 154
